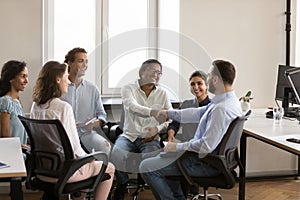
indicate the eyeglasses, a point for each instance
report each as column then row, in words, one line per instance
column 153, row 71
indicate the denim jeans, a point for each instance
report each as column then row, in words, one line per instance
column 93, row 140
column 127, row 155
column 157, row 168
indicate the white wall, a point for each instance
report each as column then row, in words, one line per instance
column 250, row 33
column 21, row 38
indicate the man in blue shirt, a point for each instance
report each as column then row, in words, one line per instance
column 85, row 100
column 213, row 121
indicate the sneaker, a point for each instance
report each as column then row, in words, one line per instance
column 120, row 192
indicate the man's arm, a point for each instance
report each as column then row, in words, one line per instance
column 129, row 102
column 187, row 115
column 214, row 127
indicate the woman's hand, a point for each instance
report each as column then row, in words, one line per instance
column 171, row 136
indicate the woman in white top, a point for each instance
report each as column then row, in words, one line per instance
column 52, row 82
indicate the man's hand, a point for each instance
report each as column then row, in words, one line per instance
column 26, row 147
column 153, row 131
column 170, row 147
column 93, row 124
column 160, row 115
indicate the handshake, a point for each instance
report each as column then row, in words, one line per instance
column 160, row 115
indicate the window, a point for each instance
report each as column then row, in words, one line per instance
column 118, row 36
column 65, row 29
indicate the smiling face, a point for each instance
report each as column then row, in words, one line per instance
column 19, row 83
column 198, row 88
column 64, row 82
column 80, row 65
column 151, row 74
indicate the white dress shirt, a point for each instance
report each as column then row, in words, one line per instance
column 137, row 107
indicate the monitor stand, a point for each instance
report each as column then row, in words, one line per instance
column 288, row 111
column 291, row 112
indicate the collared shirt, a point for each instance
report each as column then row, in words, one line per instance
column 213, row 119
column 86, row 102
column 137, row 107
column 188, row 129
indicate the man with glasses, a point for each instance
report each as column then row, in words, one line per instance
column 140, row 131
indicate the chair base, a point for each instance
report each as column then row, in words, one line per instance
column 134, row 185
column 206, row 196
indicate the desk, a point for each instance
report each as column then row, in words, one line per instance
column 264, row 130
column 11, row 154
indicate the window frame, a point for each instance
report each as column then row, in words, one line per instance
column 101, row 24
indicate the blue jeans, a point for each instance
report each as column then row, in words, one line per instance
column 93, row 140
column 157, row 168
column 131, row 153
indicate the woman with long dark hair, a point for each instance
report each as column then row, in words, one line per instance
column 14, row 78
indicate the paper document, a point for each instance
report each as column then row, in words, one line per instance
column 3, row 165
column 82, row 124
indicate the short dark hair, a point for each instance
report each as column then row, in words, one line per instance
column 200, row 74
column 10, row 70
column 70, row 57
column 148, row 63
column 46, row 86
column 225, row 70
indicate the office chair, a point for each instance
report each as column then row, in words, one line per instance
column 138, row 183
column 225, row 158
column 52, row 156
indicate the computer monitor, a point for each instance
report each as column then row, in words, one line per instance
column 293, row 79
column 284, row 91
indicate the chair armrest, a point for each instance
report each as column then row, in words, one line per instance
column 114, row 132
column 104, row 128
column 71, row 166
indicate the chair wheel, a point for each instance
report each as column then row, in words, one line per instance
column 135, row 197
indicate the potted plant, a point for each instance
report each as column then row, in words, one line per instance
column 245, row 101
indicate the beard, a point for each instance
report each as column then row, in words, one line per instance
column 211, row 88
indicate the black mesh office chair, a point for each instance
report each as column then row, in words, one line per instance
column 52, row 156
column 225, row 158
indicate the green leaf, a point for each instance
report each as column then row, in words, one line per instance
column 248, row 94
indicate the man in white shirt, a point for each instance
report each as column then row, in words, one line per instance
column 140, row 131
